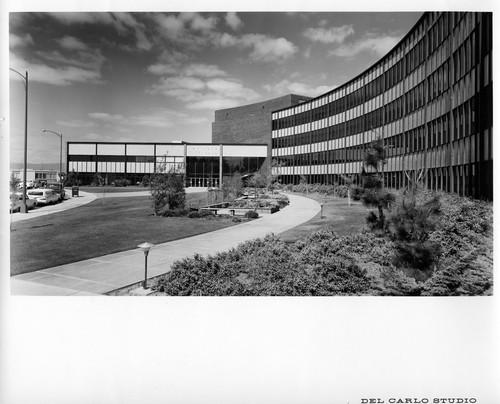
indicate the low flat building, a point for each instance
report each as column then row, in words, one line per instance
column 33, row 175
column 204, row 164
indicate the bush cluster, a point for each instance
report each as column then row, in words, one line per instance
column 122, row 182
column 174, row 212
column 321, row 264
column 465, row 236
column 325, row 264
column 264, row 201
column 338, row 190
column 200, row 214
column 251, row 214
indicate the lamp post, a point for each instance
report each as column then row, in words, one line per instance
column 24, row 208
column 145, row 247
column 60, row 151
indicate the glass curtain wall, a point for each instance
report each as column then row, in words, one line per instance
column 430, row 99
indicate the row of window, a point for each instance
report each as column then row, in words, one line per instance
column 460, row 179
column 452, row 65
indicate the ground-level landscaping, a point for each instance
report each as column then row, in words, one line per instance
column 104, row 226
column 443, row 249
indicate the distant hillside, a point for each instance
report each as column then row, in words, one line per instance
column 35, row 166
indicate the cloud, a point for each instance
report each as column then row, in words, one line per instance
column 206, row 93
column 264, row 48
column 185, row 28
column 377, row 44
column 169, row 25
column 76, row 123
column 95, row 136
column 59, row 76
column 213, row 104
column 192, row 70
column 233, row 21
column 72, row 43
column 286, row 87
column 203, row 70
column 198, row 22
column 73, row 62
column 329, row 35
column 156, row 118
column 161, row 69
column 124, row 23
column 16, row 40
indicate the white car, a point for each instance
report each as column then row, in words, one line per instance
column 29, row 185
column 16, row 201
column 43, row 196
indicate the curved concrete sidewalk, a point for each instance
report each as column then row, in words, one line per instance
column 110, row 272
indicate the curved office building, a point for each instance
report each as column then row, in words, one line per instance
column 430, row 99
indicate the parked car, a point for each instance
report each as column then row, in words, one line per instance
column 29, row 185
column 58, row 189
column 43, row 196
column 16, row 201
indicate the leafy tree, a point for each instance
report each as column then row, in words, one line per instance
column 167, row 190
column 14, row 182
column 374, row 194
column 258, row 180
column 97, row 180
column 276, row 167
column 232, row 187
column 72, row 179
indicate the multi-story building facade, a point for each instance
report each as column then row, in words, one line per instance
column 430, row 99
column 251, row 123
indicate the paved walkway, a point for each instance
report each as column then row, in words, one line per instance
column 104, row 274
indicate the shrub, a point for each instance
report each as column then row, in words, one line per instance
column 174, row 213
column 145, row 181
column 200, row 214
column 323, row 263
column 251, row 214
column 122, row 182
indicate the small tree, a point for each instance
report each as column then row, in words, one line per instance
column 258, row 180
column 273, row 180
column 14, row 182
column 412, row 221
column 232, row 187
column 167, row 190
column 72, row 179
column 374, row 193
column 97, row 180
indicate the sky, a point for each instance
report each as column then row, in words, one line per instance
column 160, row 76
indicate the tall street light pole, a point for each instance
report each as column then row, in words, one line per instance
column 24, row 208
column 60, row 151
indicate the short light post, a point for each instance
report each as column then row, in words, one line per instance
column 145, row 247
column 60, row 151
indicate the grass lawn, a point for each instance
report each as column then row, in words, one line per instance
column 104, row 226
column 345, row 219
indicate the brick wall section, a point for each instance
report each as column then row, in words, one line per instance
column 250, row 123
